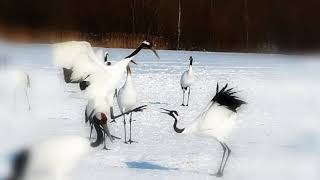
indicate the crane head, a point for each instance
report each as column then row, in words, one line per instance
column 191, row 60
column 150, row 46
column 171, row 113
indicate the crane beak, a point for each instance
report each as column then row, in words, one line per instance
column 155, row 52
column 166, row 111
column 133, row 62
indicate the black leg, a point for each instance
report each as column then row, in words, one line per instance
column 114, row 137
column 25, row 91
column 229, row 152
column 188, row 96
column 125, row 130
column 220, row 171
column 130, row 140
column 107, row 132
column 112, row 116
column 104, row 141
column 91, row 128
column 182, row 97
column 86, row 116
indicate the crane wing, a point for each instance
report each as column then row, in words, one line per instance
column 219, row 115
column 78, row 56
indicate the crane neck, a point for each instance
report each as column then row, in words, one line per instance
column 136, row 51
column 106, row 58
column 176, row 129
column 128, row 79
column 99, row 139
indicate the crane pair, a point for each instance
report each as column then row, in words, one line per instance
column 216, row 120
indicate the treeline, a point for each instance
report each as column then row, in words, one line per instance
column 213, row 25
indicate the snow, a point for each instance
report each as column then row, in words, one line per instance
column 277, row 137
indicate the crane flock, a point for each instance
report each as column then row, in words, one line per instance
column 100, row 82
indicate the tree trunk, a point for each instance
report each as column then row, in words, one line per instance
column 246, row 23
column 133, row 16
column 179, row 26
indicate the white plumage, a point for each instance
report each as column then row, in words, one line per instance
column 127, row 94
column 80, row 57
column 98, row 80
column 51, row 159
column 104, row 81
column 127, row 100
column 18, row 81
column 101, row 54
column 216, row 120
column 186, row 81
column 187, row 78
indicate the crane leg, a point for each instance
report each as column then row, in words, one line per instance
column 124, row 127
column 228, row 154
column 113, row 119
column 29, row 107
column 104, row 138
column 85, row 116
column 114, row 137
column 104, row 141
column 91, row 128
column 183, row 91
column 220, row 171
column 130, row 140
column 188, row 96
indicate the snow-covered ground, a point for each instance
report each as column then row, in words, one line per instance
column 278, row 136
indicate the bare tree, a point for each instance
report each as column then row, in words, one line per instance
column 133, row 16
column 179, row 25
column 246, row 22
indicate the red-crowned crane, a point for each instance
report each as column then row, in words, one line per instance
column 127, row 100
column 186, row 81
column 216, row 120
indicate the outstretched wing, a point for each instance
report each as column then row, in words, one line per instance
column 76, row 55
column 226, row 97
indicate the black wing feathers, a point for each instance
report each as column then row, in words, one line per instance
column 226, row 97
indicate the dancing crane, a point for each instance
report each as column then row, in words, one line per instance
column 216, row 120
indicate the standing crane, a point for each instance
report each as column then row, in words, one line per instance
column 186, row 81
column 216, row 120
column 127, row 99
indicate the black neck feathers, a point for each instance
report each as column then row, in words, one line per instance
column 176, row 129
column 96, row 124
column 106, row 58
column 136, row 51
column 191, row 60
